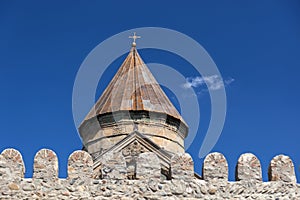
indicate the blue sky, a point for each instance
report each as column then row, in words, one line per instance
column 43, row 44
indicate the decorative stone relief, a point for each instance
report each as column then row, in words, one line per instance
column 133, row 149
column 131, row 153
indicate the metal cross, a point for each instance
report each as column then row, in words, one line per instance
column 134, row 37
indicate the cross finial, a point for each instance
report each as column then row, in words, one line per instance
column 134, row 37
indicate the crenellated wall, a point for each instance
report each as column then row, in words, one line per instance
column 113, row 183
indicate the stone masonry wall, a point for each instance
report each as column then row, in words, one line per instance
column 79, row 184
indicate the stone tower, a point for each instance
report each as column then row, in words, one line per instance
column 132, row 116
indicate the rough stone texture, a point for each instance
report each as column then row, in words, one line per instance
column 113, row 166
column 182, row 167
column 11, row 165
column 148, row 166
column 215, row 167
column 45, row 165
column 248, row 168
column 152, row 189
column 80, row 169
column 282, row 168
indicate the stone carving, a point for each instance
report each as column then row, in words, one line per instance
column 182, row 167
column 148, row 166
column 248, row 168
column 281, row 168
column 133, row 149
column 131, row 153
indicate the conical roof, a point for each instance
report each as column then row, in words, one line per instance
column 134, row 88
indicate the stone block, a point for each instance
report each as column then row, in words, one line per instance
column 113, row 166
column 215, row 167
column 148, row 166
column 248, row 168
column 182, row 167
column 281, row 168
column 45, row 165
column 11, row 165
column 80, row 168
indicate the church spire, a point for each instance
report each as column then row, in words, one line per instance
column 134, row 88
column 134, row 107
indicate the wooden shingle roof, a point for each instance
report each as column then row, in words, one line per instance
column 134, row 88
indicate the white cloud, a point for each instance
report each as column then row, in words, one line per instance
column 213, row 82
